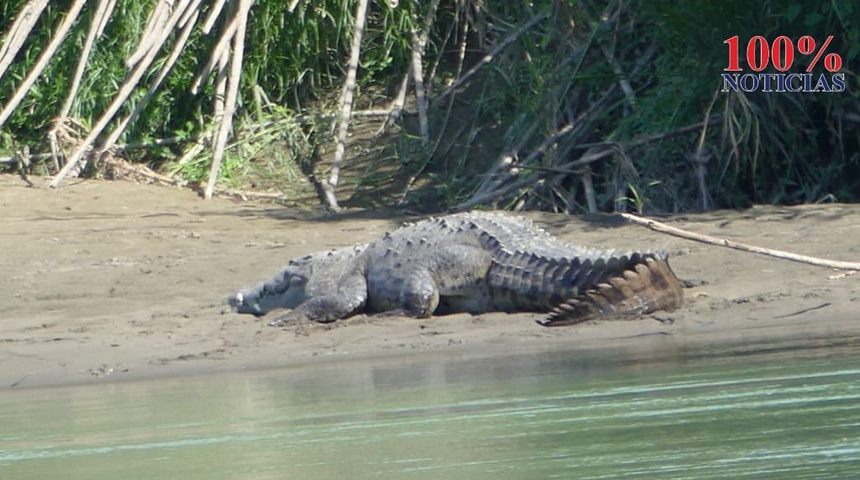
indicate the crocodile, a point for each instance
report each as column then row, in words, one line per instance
column 471, row 262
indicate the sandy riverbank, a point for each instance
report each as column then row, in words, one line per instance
column 104, row 281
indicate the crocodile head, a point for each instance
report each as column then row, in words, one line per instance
column 286, row 290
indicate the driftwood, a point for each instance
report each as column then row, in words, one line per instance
column 663, row 228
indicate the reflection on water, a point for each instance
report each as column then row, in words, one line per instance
column 527, row 416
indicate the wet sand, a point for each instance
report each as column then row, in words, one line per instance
column 107, row 281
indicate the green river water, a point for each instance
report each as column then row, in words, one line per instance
column 548, row 415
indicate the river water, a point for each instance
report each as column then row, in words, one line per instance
column 546, row 415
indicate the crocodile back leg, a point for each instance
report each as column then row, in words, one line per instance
column 452, row 277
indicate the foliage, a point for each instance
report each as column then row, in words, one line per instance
column 627, row 76
column 773, row 147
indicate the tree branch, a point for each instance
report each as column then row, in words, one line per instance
column 722, row 242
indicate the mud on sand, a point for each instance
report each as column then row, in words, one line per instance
column 105, row 281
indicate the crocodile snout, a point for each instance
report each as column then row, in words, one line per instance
column 239, row 304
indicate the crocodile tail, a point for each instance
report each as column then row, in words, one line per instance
column 642, row 288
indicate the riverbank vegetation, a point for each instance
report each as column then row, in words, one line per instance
column 569, row 105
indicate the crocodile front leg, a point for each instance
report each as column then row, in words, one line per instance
column 351, row 297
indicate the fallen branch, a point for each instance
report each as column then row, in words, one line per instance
column 245, row 195
column 307, row 119
column 157, row 22
column 155, row 142
column 581, row 122
column 121, row 169
column 34, row 156
column 653, row 137
column 663, row 228
column 122, row 147
column 214, row 13
column 395, row 109
column 505, row 169
column 526, row 182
